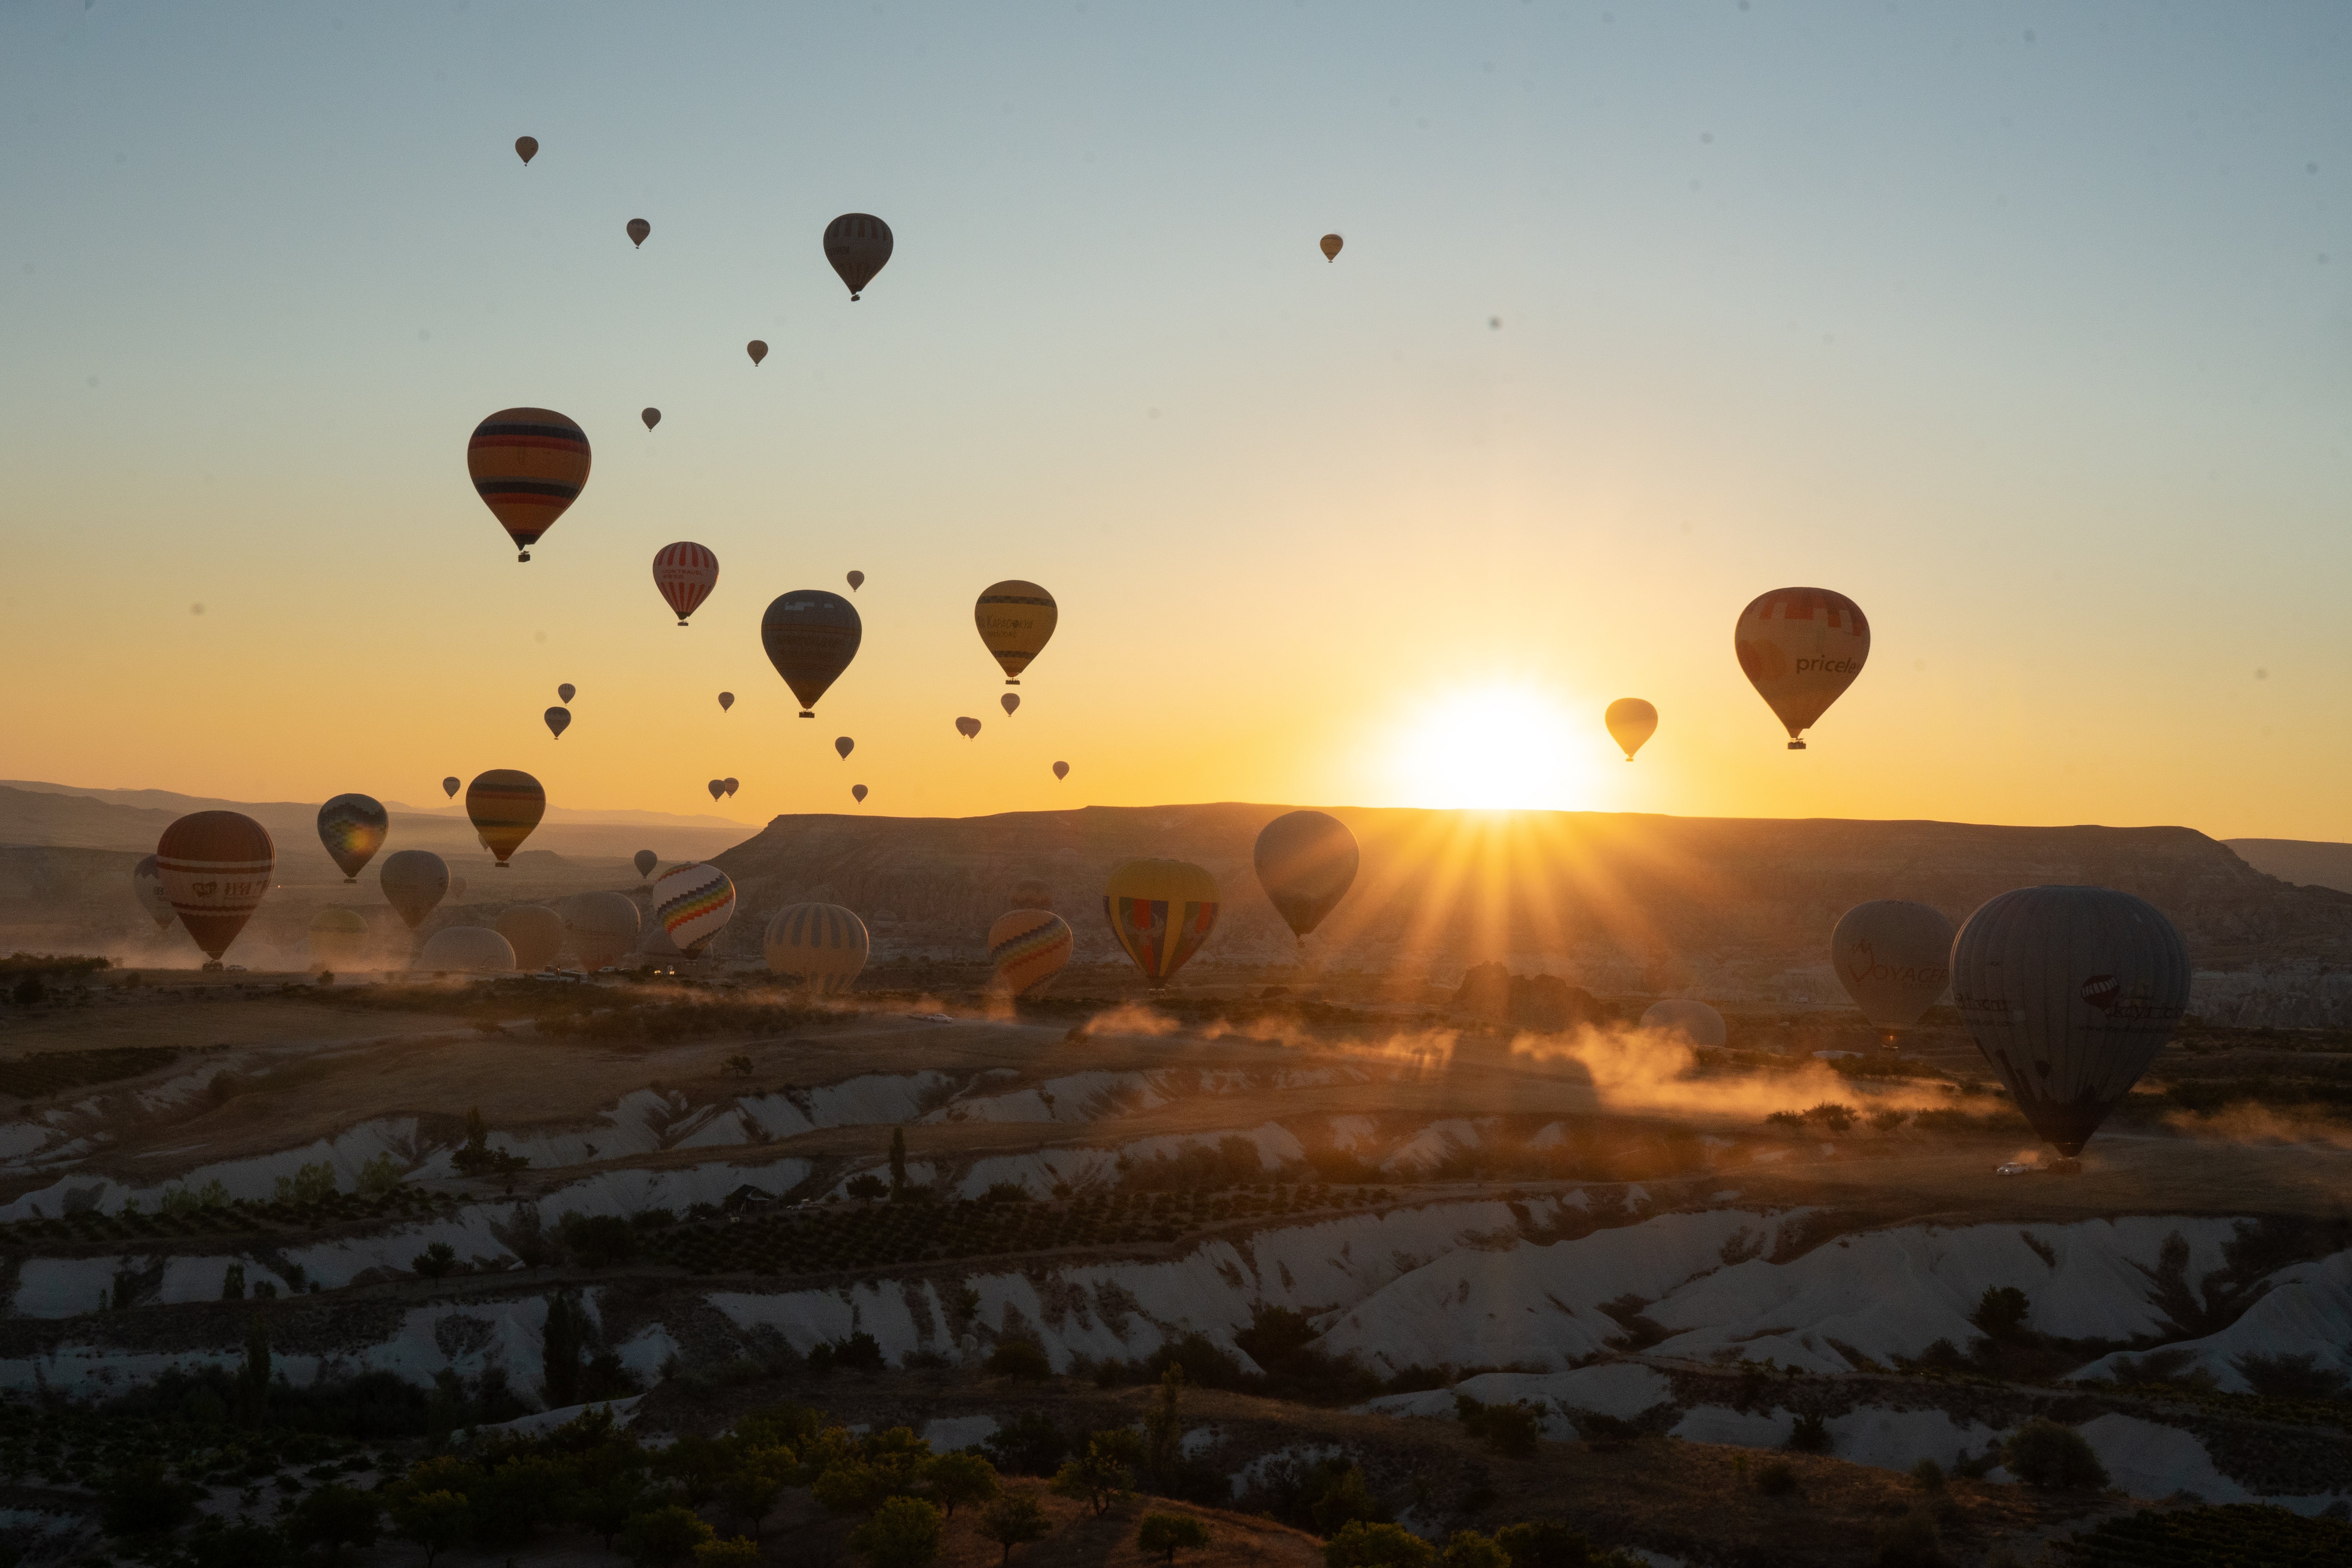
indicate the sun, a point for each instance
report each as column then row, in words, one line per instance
column 1501, row 746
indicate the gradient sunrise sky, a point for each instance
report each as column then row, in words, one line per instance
column 2027, row 326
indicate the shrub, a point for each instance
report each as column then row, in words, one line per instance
column 1911, row 1542
column 435, row 1262
column 1346, row 1501
column 378, row 1178
column 1833, row 1115
column 599, row 1241
column 662, row 1536
column 1031, row 1445
column 1014, row 1518
column 1169, row 1534
column 1777, row 1480
column 332, row 1519
column 1020, row 1359
column 956, row 1479
column 903, row 1533
column 1469, row 1549
column 2000, row 1313
column 1927, row 1476
column 1546, row 1543
column 1511, row 1430
column 140, row 1501
column 861, row 1352
column 737, row 1553
column 1810, row 1436
column 866, row 1187
column 311, row 1184
column 434, row 1520
column 2045, row 1454
column 1099, row 1479
column 1363, row 1544
column 2284, row 1376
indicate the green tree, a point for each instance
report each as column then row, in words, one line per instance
column 253, row 1378
column 865, row 1186
column 434, row 1521
column 517, row 1500
column 378, row 1178
column 1364, row 1545
column 1014, row 1518
column 560, row 1351
column 1546, row 1543
column 435, row 1261
column 735, row 1553
column 2045, row 1454
column 1020, row 1359
column 1911, row 1541
column 1169, row 1534
column 233, row 1283
column 1346, row 1501
column 1163, row 1427
column 955, row 1480
column 1469, row 1549
column 696, row 1464
column 1099, row 1479
column 898, row 1161
column 903, row 1533
column 333, row 1518
column 660, row 1536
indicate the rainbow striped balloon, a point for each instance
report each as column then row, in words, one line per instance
column 528, row 464
column 1161, row 912
column 693, row 902
column 821, row 945
column 1028, row 948
column 504, row 804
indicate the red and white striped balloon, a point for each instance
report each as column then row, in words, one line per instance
column 684, row 572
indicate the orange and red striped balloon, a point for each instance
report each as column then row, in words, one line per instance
column 215, row 867
column 684, row 572
column 528, row 464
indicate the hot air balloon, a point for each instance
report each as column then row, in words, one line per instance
column 646, row 862
column 844, row 746
column 639, row 230
column 757, row 350
column 352, row 827
column 693, row 902
column 449, row 787
column 147, row 886
column 2070, row 993
column 339, row 940
column 558, row 720
column 968, row 728
column 652, row 416
column 535, row 933
column 415, row 882
column 1030, row 893
column 528, row 464
column 726, row 701
column 1161, row 912
column 1695, row 1022
column 1028, row 948
column 857, row 793
column 811, row 635
column 823, row 946
column 717, row 787
column 601, row 929
column 466, row 949
column 856, row 581
column 729, row 785
column 1305, row 862
column 1801, row 648
column 564, row 692
column 1331, row 244
column 504, row 804
column 1631, row 722
column 1011, row 700
column 215, row 867
column 1015, row 621
column 1895, row 959
column 526, row 148
column 1061, row 770
column 858, row 245
column 684, row 572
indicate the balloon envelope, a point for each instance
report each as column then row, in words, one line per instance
column 1331, row 244
column 1895, row 959
column 558, row 720
column 528, row 466
column 352, row 827
column 639, row 230
column 844, row 745
column 1801, row 648
column 1161, row 912
column 856, row 581
column 726, row 701
column 147, row 886
column 1016, row 620
column 215, row 867
column 1061, row 770
column 1028, row 948
column 467, row 949
column 693, row 902
column 504, row 804
column 810, row 636
column 646, row 861
column 1011, row 700
column 730, row 785
column 968, row 728
column 2070, row 993
column 823, row 946
column 449, row 787
column 1632, row 722
column 564, row 692
column 857, row 793
column 534, row 931
column 1305, row 861
column 1030, row 893
column 526, row 148
column 858, row 245
column 717, row 788
column 652, row 416
column 599, row 928
column 757, row 350
column 339, row 939
column 684, row 572
column 1696, row 1022
column 415, row 882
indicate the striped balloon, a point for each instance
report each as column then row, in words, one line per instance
column 528, row 464
column 1161, row 912
column 1015, row 619
column 1028, row 948
column 504, row 804
column 823, row 946
column 215, row 867
column 339, row 939
column 811, row 635
column 415, row 882
column 148, row 883
column 693, row 902
column 684, row 572
column 352, row 827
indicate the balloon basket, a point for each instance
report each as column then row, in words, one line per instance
column 1793, row 745
column 350, row 881
column 522, row 554
column 806, row 714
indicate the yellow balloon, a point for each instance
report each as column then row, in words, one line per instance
column 1016, row 620
column 1631, row 722
column 1161, row 912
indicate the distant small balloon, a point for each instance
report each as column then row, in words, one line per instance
column 1061, row 770
column 726, row 701
column 968, row 728
column 558, row 720
column 1010, row 700
column 449, row 787
column 730, row 785
column 844, row 745
column 565, row 692
column 757, row 350
column 646, row 862
column 717, row 787
column 638, row 229
column 857, row 793
column 1331, row 244
column 652, row 416
column 1631, row 722
column 526, row 148
column 856, row 581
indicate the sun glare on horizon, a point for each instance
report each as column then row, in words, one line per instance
column 1497, row 747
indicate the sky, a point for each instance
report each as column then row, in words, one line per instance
column 2028, row 327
